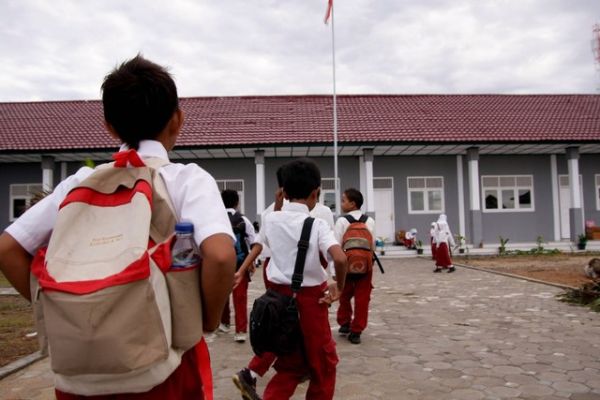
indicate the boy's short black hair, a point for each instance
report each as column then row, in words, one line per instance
column 301, row 177
column 230, row 197
column 139, row 99
column 354, row 196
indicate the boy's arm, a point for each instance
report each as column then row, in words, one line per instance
column 341, row 265
column 15, row 262
column 218, row 267
column 247, row 264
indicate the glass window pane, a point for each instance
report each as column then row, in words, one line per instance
column 329, row 200
column 507, row 181
column 490, row 181
column 491, row 200
column 524, row 198
column 524, row 181
column 416, row 183
column 435, row 200
column 19, row 207
column 434, row 183
column 508, row 199
column 417, row 202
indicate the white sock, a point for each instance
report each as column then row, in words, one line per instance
column 253, row 374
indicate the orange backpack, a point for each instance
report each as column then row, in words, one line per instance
column 357, row 243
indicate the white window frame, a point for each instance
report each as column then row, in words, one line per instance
column 597, row 181
column 499, row 190
column 234, row 184
column 328, row 187
column 425, row 190
column 30, row 189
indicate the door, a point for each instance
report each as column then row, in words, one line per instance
column 384, row 208
column 565, row 204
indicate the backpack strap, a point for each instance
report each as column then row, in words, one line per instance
column 350, row 218
column 363, row 218
column 298, row 275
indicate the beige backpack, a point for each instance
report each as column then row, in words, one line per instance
column 114, row 316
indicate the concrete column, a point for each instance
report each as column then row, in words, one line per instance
column 576, row 211
column 370, row 195
column 555, row 197
column 259, row 160
column 47, row 173
column 474, row 196
column 460, row 183
column 63, row 171
column 362, row 179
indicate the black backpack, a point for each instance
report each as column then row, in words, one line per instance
column 239, row 230
column 274, row 320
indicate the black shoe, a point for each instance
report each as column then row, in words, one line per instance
column 344, row 329
column 354, row 338
column 451, row 269
column 246, row 384
column 437, row 270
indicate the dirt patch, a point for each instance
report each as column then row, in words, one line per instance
column 564, row 269
column 16, row 321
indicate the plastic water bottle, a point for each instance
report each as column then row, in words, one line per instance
column 185, row 252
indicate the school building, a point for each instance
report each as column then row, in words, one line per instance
column 516, row 166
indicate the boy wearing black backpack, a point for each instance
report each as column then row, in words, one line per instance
column 317, row 357
column 140, row 110
column 354, row 231
column 245, row 236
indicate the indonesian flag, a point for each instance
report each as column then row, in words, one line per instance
column 328, row 12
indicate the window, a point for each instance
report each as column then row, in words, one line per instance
column 20, row 196
column 507, row 193
column 425, row 195
column 327, row 197
column 597, row 192
column 233, row 184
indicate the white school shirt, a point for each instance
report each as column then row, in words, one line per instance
column 281, row 232
column 342, row 224
column 318, row 211
column 193, row 191
column 250, row 233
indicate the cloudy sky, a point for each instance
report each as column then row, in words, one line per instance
column 61, row 49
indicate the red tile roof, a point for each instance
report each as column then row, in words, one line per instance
column 266, row 120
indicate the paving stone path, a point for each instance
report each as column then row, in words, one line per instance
column 467, row 335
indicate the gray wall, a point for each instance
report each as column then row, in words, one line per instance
column 402, row 167
column 15, row 173
column 520, row 226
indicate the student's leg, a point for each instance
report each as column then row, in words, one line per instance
column 291, row 370
column 319, row 347
column 225, row 317
column 362, row 297
column 240, row 304
column 261, row 364
column 344, row 312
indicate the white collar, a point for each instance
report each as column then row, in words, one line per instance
column 296, row 207
column 150, row 148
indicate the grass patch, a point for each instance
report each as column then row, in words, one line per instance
column 16, row 321
column 3, row 281
column 586, row 295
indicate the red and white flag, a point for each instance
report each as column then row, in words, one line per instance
column 328, row 12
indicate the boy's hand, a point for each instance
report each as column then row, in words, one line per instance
column 237, row 277
column 331, row 295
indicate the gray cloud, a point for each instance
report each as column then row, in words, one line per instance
column 62, row 49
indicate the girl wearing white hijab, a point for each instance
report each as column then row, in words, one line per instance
column 444, row 241
column 432, row 231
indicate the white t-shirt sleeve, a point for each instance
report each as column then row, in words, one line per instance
column 326, row 237
column 251, row 235
column 197, row 199
column 32, row 230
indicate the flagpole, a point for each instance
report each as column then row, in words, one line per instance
column 335, row 127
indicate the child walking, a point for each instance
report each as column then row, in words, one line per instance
column 141, row 110
column 444, row 242
column 281, row 231
column 358, row 285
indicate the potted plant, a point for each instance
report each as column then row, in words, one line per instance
column 419, row 247
column 502, row 247
column 582, row 241
column 461, row 243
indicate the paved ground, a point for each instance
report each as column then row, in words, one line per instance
column 467, row 335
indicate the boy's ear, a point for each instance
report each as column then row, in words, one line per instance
column 176, row 122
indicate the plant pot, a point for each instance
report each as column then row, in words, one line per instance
column 419, row 251
column 581, row 246
column 382, row 253
column 461, row 251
